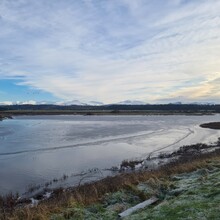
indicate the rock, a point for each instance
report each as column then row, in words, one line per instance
column 150, row 164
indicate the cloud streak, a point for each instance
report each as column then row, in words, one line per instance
column 113, row 50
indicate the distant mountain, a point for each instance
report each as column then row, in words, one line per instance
column 202, row 103
column 6, row 103
column 131, row 102
column 176, row 103
column 94, row 103
column 61, row 103
column 77, row 102
column 192, row 103
column 30, row 102
column 73, row 102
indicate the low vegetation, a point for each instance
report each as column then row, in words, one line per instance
column 188, row 195
column 2, row 117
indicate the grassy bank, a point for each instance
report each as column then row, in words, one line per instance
column 104, row 199
column 192, row 194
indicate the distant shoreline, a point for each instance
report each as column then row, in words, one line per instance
column 3, row 117
column 211, row 125
column 6, row 114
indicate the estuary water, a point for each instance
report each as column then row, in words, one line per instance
column 35, row 150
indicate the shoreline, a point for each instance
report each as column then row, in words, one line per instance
column 211, row 125
column 127, row 173
column 5, row 117
column 99, row 113
column 130, row 172
column 184, row 161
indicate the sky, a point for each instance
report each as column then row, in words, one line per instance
column 155, row 51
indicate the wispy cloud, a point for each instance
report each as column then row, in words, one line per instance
column 113, row 50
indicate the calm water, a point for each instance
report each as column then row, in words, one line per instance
column 37, row 149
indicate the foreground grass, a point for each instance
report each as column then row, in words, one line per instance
column 194, row 195
column 191, row 195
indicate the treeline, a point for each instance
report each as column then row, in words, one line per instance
column 194, row 108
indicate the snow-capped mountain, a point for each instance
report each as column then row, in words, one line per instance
column 6, row 103
column 192, row 103
column 176, row 103
column 95, row 103
column 30, row 102
column 131, row 102
column 202, row 103
column 73, row 102
column 77, row 102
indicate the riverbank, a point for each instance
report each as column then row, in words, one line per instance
column 185, row 193
column 106, row 198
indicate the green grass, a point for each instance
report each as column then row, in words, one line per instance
column 200, row 199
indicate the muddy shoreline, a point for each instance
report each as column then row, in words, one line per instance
column 4, row 117
column 184, row 154
column 211, row 125
column 185, row 159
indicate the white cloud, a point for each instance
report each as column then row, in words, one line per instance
column 113, row 50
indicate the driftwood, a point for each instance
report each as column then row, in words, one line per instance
column 137, row 207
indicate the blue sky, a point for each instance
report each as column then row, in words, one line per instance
column 11, row 91
column 110, row 50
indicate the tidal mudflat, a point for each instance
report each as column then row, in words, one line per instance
column 35, row 150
